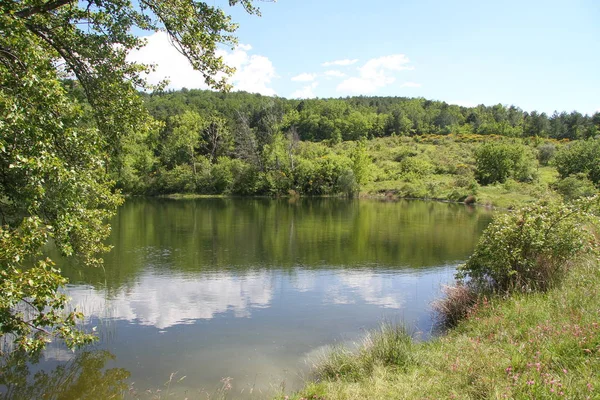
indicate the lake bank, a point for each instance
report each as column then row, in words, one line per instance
column 541, row 345
column 528, row 311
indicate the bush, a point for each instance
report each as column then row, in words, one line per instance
column 546, row 153
column 234, row 176
column 177, row 180
column 496, row 162
column 404, row 152
column 456, row 305
column 416, row 166
column 575, row 186
column 321, row 175
column 531, row 248
column 582, row 156
column 347, row 183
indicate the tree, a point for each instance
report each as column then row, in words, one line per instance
column 56, row 164
column 496, row 162
column 182, row 141
column 217, row 137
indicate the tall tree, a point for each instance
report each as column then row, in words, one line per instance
column 54, row 164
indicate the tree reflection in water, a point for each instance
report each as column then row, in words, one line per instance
column 83, row 377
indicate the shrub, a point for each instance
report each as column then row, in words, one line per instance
column 531, row 248
column 177, row 180
column 582, row 156
column 320, row 175
column 347, row 183
column 575, row 186
column 468, row 183
column 496, row 162
column 222, row 175
column 416, row 190
column 416, row 166
column 546, row 153
column 404, row 152
column 457, row 303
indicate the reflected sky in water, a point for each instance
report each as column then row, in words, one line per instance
column 255, row 289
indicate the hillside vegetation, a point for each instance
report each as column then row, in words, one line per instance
column 208, row 143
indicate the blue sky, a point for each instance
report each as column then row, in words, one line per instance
column 538, row 55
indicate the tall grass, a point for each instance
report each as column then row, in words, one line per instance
column 390, row 346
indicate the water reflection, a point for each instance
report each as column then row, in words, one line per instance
column 83, row 376
column 165, row 300
column 213, row 235
column 248, row 288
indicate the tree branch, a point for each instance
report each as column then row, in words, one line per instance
column 49, row 6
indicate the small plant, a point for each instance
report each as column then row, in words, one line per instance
column 457, row 303
column 391, row 346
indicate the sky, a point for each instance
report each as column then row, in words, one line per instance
column 537, row 55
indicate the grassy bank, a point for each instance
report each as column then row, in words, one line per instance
column 431, row 168
column 540, row 345
column 444, row 168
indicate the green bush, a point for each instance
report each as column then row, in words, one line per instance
column 404, row 152
column 546, row 153
column 416, row 166
column 347, row 183
column 177, row 180
column 575, row 186
column 582, row 156
column 416, row 190
column 222, row 175
column 496, row 162
column 320, row 175
column 234, row 176
column 531, row 248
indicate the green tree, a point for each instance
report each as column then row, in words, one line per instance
column 55, row 165
column 217, row 137
column 184, row 138
column 496, row 162
column 582, row 156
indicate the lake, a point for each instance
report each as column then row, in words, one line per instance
column 241, row 296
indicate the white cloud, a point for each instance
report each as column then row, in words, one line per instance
column 162, row 302
column 371, row 288
column 335, row 73
column 304, row 77
column 375, row 73
column 254, row 72
column 342, row 63
column 410, row 85
column 307, row 92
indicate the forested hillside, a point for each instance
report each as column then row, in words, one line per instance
column 207, row 142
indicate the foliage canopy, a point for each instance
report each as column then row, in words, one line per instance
column 532, row 248
column 58, row 151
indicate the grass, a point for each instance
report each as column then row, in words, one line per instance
column 537, row 345
column 445, row 172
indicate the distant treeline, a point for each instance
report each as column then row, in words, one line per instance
column 354, row 118
column 209, row 142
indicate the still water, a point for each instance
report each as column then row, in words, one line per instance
column 243, row 295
